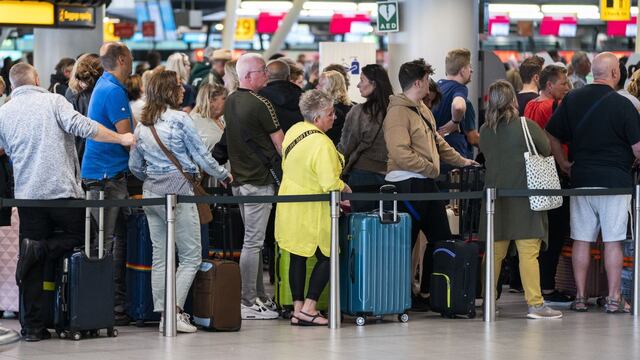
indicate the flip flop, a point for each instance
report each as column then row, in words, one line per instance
column 311, row 322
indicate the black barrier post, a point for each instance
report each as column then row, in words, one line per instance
column 636, row 262
column 334, row 296
column 170, row 270
column 489, row 306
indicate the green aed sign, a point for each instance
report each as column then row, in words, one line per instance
column 388, row 16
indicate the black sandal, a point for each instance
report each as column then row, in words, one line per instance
column 311, row 322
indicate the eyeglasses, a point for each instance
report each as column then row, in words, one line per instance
column 263, row 70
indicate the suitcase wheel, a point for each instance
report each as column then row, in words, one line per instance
column 76, row 336
column 403, row 317
column 472, row 314
column 286, row 314
column 361, row 320
column 112, row 332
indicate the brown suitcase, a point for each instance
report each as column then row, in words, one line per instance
column 216, row 295
column 596, row 277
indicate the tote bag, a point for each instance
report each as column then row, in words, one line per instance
column 541, row 174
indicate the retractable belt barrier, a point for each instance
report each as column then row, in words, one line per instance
column 489, row 196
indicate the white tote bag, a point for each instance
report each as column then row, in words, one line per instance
column 541, row 174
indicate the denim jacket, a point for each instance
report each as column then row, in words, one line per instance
column 179, row 135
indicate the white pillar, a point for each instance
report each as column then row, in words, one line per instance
column 277, row 41
column 637, row 29
column 51, row 45
column 429, row 29
column 229, row 31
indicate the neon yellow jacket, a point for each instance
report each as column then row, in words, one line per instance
column 313, row 166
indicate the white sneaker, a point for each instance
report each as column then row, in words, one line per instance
column 269, row 304
column 257, row 312
column 543, row 312
column 183, row 324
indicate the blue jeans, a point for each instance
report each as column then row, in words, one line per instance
column 365, row 181
column 187, row 242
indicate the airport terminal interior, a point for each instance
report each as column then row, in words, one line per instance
column 408, row 99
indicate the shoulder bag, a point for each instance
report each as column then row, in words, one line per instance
column 204, row 210
column 541, row 174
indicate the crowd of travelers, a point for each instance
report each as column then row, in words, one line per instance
column 239, row 120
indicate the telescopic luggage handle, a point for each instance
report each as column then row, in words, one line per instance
column 87, row 228
column 384, row 217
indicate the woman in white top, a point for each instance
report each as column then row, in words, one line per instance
column 207, row 115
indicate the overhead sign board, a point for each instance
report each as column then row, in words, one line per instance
column 616, row 10
column 46, row 14
column 388, row 19
column 27, row 13
column 75, row 16
column 124, row 30
column 245, row 29
column 149, row 29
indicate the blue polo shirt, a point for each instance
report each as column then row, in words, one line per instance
column 108, row 105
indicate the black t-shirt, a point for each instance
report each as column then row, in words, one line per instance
column 523, row 100
column 600, row 144
column 250, row 117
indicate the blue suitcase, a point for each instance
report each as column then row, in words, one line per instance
column 139, row 260
column 375, row 264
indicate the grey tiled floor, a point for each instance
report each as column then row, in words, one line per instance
column 592, row 335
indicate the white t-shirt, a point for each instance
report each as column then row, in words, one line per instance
column 633, row 99
column 208, row 130
column 136, row 108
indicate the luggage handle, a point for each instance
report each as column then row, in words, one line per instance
column 87, row 227
column 384, row 218
column 352, row 266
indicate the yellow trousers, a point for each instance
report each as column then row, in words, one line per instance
column 528, row 250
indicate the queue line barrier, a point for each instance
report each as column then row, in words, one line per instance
column 489, row 196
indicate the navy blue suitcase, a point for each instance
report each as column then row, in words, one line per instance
column 454, row 278
column 85, row 290
column 139, row 260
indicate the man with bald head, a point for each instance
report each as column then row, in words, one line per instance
column 38, row 131
column 106, row 166
column 602, row 130
column 283, row 94
column 254, row 143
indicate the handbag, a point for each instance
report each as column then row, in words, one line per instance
column 204, row 211
column 541, row 174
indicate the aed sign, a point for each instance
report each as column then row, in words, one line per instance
column 75, row 16
column 388, row 16
column 616, row 10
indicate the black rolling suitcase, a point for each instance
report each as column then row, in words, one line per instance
column 85, row 292
column 453, row 281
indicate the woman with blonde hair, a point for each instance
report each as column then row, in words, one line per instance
column 311, row 164
column 165, row 131
column 634, row 84
column 502, row 142
column 84, row 76
column 179, row 62
column 207, row 115
column 332, row 82
column 230, row 78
